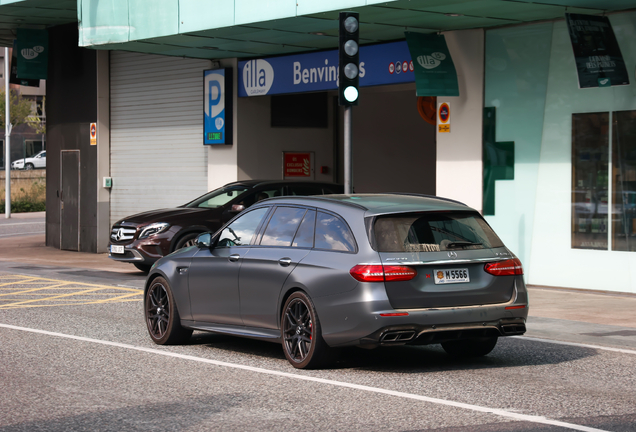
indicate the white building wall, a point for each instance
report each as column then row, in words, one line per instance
column 459, row 153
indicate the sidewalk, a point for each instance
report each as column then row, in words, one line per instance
column 589, row 317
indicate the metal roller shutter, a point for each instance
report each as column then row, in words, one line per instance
column 157, row 155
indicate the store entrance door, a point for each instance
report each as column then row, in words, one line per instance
column 69, row 200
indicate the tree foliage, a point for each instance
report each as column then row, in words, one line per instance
column 21, row 109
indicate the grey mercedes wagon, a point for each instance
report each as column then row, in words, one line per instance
column 368, row 270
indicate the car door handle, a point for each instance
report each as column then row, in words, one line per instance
column 284, row 261
column 234, row 257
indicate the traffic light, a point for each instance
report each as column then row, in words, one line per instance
column 348, row 59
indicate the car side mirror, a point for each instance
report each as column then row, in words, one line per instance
column 204, row 241
column 238, row 208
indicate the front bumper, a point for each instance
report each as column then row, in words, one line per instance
column 129, row 255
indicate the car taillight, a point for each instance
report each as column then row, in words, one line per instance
column 508, row 267
column 380, row 273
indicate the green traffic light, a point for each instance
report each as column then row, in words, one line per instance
column 351, row 94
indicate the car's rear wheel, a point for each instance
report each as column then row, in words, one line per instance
column 475, row 347
column 29, row 166
column 302, row 334
column 162, row 316
column 187, row 240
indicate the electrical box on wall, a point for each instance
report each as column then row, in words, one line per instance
column 108, row 182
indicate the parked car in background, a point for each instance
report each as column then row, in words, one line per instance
column 315, row 273
column 37, row 161
column 143, row 238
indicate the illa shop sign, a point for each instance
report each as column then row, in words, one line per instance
column 318, row 71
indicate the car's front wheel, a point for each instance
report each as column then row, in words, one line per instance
column 302, row 334
column 475, row 347
column 187, row 240
column 162, row 316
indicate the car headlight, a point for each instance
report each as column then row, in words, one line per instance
column 153, row 229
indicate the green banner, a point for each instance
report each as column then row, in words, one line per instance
column 435, row 73
column 33, row 53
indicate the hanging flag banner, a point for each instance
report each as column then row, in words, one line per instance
column 599, row 62
column 13, row 75
column 217, row 106
column 33, row 53
column 434, row 70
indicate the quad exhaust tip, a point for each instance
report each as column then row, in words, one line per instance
column 397, row 336
column 513, row 329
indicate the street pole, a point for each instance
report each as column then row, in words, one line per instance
column 348, row 174
column 7, row 139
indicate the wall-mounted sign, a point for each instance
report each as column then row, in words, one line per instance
column 379, row 64
column 93, row 129
column 599, row 62
column 443, row 117
column 217, row 106
column 434, row 70
column 33, row 53
column 298, row 165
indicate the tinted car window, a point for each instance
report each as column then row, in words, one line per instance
column 305, row 190
column 261, row 195
column 305, row 235
column 241, row 231
column 432, row 232
column 333, row 233
column 282, row 226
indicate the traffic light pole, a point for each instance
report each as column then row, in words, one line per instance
column 7, row 135
column 348, row 171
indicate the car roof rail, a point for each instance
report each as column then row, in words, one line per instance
column 426, row 196
column 326, row 197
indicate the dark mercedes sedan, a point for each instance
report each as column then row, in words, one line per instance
column 317, row 273
column 143, row 238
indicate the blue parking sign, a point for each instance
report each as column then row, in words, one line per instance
column 217, row 106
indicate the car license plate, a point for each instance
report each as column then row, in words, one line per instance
column 116, row 249
column 448, row 276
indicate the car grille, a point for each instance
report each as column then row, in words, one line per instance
column 122, row 234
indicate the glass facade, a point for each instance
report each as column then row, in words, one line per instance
column 571, row 204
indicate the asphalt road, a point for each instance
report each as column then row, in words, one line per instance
column 75, row 356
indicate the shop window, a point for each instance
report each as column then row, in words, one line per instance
column 624, row 181
column 596, row 154
column 590, row 155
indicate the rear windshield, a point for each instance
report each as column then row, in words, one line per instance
column 433, row 232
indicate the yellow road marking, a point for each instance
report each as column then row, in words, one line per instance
column 19, row 296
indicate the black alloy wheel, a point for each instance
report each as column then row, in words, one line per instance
column 302, row 338
column 162, row 316
column 187, row 240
